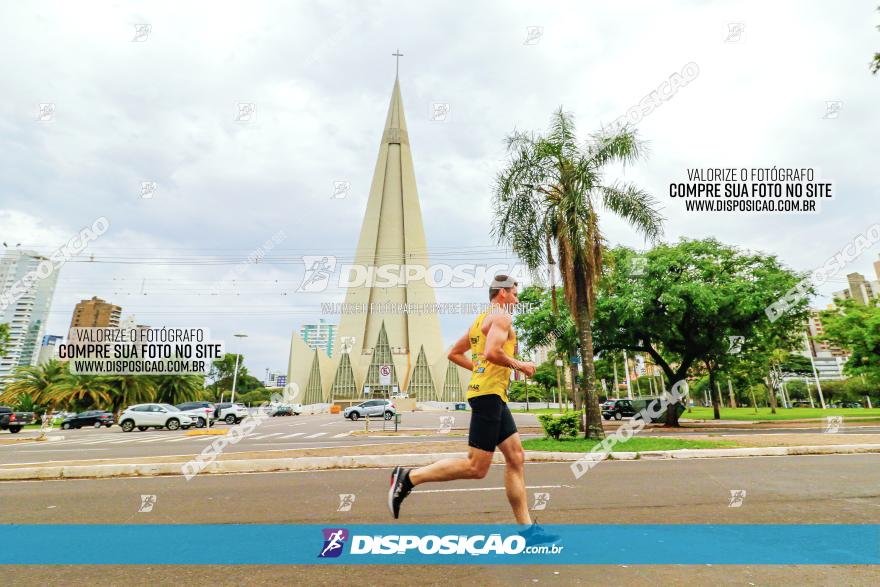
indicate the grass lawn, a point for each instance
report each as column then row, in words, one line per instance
column 634, row 444
column 537, row 411
column 762, row 415
column 783, row 413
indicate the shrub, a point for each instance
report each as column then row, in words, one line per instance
column 557, row 426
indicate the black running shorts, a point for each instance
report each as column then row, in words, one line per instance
column 491, row 422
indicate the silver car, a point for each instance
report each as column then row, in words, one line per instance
column 371, row 409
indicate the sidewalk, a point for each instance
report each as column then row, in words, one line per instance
column 417, row 454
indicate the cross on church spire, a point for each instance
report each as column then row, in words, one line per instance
column 397, row 54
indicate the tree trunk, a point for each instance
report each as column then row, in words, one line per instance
column 716, row 395
column 671, row 411
column 771, row 387
column 575, row 394
column 594, row 428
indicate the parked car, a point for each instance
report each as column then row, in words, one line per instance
column 145, row 416
column 201, row 412
column 850, row 405
column 230, row 413
column 14, row 421
column 369, row 409
column 96, row 418
column 618, row 409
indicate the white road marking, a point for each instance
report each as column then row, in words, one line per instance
column 293, row 435
column 262, row 436
column 143, row 441
column 56, row 450
column 104, row 441
column 343, row 434
column 316, row 435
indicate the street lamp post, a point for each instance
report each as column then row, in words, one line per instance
column 235, row 372
column 815, row 372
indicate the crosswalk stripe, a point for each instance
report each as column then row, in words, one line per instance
column 316, row 435
column 183, row 438
column 341, row 435
column 152, row 439
column 104, row 441
column 293, row 435
column 261, row 436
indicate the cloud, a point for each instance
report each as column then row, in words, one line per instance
column 320, row 76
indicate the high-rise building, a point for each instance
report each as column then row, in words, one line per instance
column 827, row 359
column 385, row 350
column 319, row 336
column 860, row 290
column 130, row 323
column 24, row 308
column 49, row 348
column 95, row 313
column 816, row 330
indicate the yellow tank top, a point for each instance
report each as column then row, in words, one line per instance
column 488, row 378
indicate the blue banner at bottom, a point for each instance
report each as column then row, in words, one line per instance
column 568, row 544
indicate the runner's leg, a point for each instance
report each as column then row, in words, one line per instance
column 476, row 466
column 515, row 478
column 487, row 422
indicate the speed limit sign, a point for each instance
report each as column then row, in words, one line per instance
column 384, row 374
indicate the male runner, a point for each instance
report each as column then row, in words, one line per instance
column 491, row 342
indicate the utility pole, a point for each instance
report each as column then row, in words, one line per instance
column 629, row 391
column 558, row 364
column 235, row 372
column 730, row 393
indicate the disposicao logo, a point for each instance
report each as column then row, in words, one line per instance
column 334, row 541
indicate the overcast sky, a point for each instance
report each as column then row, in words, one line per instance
column 160, row 105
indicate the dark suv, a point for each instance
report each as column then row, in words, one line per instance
column 618, row 409
column 96, row 418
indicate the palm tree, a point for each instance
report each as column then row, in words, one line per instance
column 79, row 390
column 126, row 390
column 174, row 389
column 549, row 196
column 35, row 382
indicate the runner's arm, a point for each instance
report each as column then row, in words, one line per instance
column 498, row 333
column 458, row 350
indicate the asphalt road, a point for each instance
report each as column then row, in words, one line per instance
column 283, row 433
column 807, row 489
column 311, row 431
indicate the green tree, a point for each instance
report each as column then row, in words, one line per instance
column 545, row 325
column 681, row 304
column 127, row 390
column 797, row 365
column 547, row 204
column 175, row 389
column 856, row 328
column 222, row 375
column 4, row 338
column 77, row 391
column 35, row 382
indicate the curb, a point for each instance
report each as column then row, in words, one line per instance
column 408, row 460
